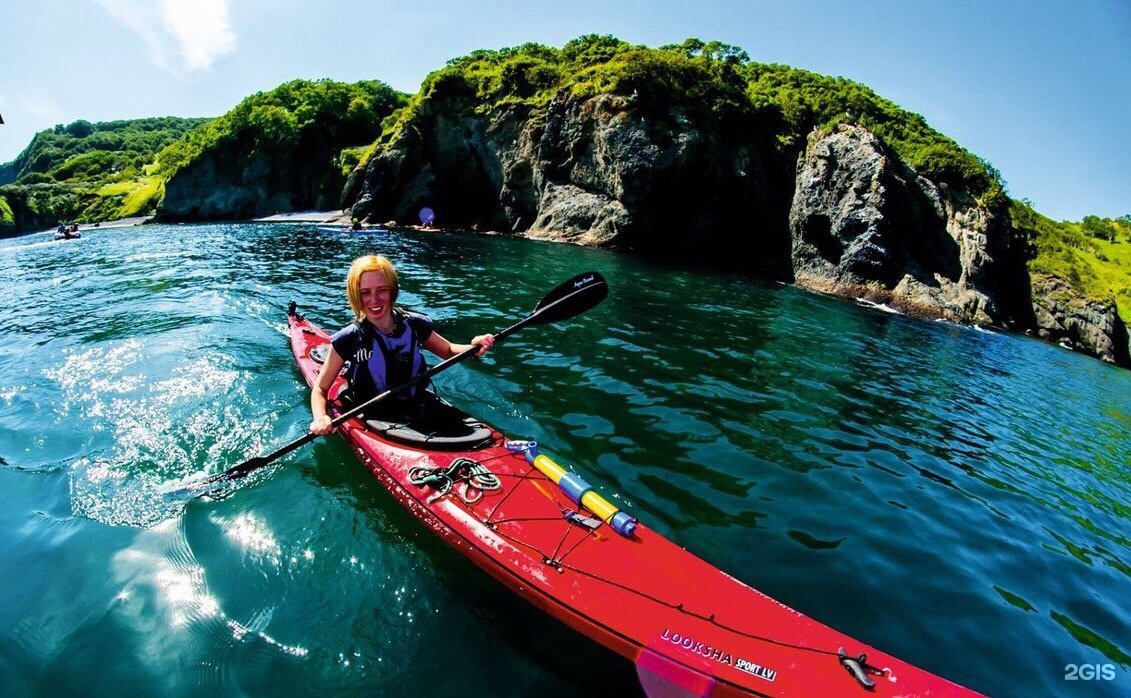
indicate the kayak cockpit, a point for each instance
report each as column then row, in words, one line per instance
column 440, row 427
column 432, row 425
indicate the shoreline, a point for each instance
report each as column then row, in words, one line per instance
column 331, row 217
column 83, row 227
column 306, row 217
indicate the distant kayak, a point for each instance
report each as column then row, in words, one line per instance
column 348, row 229
column 67, row 236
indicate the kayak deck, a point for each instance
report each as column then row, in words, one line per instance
column 685, row 623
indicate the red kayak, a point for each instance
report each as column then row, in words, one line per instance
column 691, row 629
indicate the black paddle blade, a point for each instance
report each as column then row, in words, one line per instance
column 236, row 472
column 247, row 467
column 571, row 298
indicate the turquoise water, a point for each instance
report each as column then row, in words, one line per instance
column 958, row 498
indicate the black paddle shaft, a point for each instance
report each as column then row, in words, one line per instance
column 569, row 299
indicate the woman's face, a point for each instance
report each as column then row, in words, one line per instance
column 376, row 294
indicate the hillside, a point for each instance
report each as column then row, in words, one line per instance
column 1093, row 256
column 287, row 149
column 693, row 150
column 291, row 147
column 85, row 151
column 87, row 172
column 712, row 81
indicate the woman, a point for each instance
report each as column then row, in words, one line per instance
column 382, row 344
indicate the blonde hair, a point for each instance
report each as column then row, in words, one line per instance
column 369, row 262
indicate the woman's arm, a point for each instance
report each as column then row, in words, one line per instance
column 446, row 350
column 321, row 423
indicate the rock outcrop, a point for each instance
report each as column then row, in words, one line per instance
column 224, row 185
column 863, row 223
column 21, row 215
column 1077, row 323
column 281, row 150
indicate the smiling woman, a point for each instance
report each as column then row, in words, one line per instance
column 382, row 346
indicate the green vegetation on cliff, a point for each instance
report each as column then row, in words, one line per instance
column 7, row 219
column 90, row 171
column 95, row 171
column 116, row 150
column 302, row 118
column 100, row 171
column 807, row 100
column 719, row 79
column 1093, row 256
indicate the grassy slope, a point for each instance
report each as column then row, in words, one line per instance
column 93, row 172
column 1113, row 270
column 1096, row 267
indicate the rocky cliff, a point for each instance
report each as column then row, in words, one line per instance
column 240, row 185
column 1062, row 316
column 843, row 215
column 275, row 151
column 864, row 223
column 18, row 214
column 597, row 171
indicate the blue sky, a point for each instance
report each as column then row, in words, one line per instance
column 1040, row 89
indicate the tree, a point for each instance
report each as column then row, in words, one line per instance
column 80, row 129
column 1099, row 228
column 593, row 48
column 711, row 50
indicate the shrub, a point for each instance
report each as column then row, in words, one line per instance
column 7, row 218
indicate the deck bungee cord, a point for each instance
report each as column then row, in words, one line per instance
column 475, row 478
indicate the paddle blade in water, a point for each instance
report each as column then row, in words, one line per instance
column 249, row 466
column 236, row 472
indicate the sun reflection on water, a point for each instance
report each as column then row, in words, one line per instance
column 252, row 535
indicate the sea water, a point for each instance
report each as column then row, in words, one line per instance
column 958, row 498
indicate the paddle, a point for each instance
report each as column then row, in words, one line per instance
column 569, row 299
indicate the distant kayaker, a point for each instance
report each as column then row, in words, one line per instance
column 356, row 224
column 382, row 344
